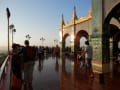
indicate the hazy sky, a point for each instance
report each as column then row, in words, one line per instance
column 39, row 18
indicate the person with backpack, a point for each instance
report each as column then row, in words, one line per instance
column 28, row 60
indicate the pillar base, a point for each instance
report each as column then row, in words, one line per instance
column 100, row 67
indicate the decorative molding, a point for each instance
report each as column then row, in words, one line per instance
column 80, row 20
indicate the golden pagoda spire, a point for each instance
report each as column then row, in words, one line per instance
column 74, row 16
column 90, row 12
column 62, row 21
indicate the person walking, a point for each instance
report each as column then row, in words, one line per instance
column 16, row 72
column 57, row 51
column 88, row 57
column 28, row 56
column 88, row 52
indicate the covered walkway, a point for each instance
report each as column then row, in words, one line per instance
column 51, row 73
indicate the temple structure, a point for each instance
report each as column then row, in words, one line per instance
column 101, row 27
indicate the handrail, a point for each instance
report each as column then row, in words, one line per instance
column 2, row 68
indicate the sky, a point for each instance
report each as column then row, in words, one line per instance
column 38, row 18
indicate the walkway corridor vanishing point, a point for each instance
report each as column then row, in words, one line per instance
column 52, row 73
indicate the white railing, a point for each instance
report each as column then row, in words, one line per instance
column 3, row 68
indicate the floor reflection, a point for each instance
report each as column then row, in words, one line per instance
column 62, row 73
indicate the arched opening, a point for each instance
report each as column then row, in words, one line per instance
column 111, row 34
column 114, row 38
column 81, row 37
column 82, row 41
column 67, row 43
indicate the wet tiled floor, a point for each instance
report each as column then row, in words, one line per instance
column 65, row 74
column 51, row 73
